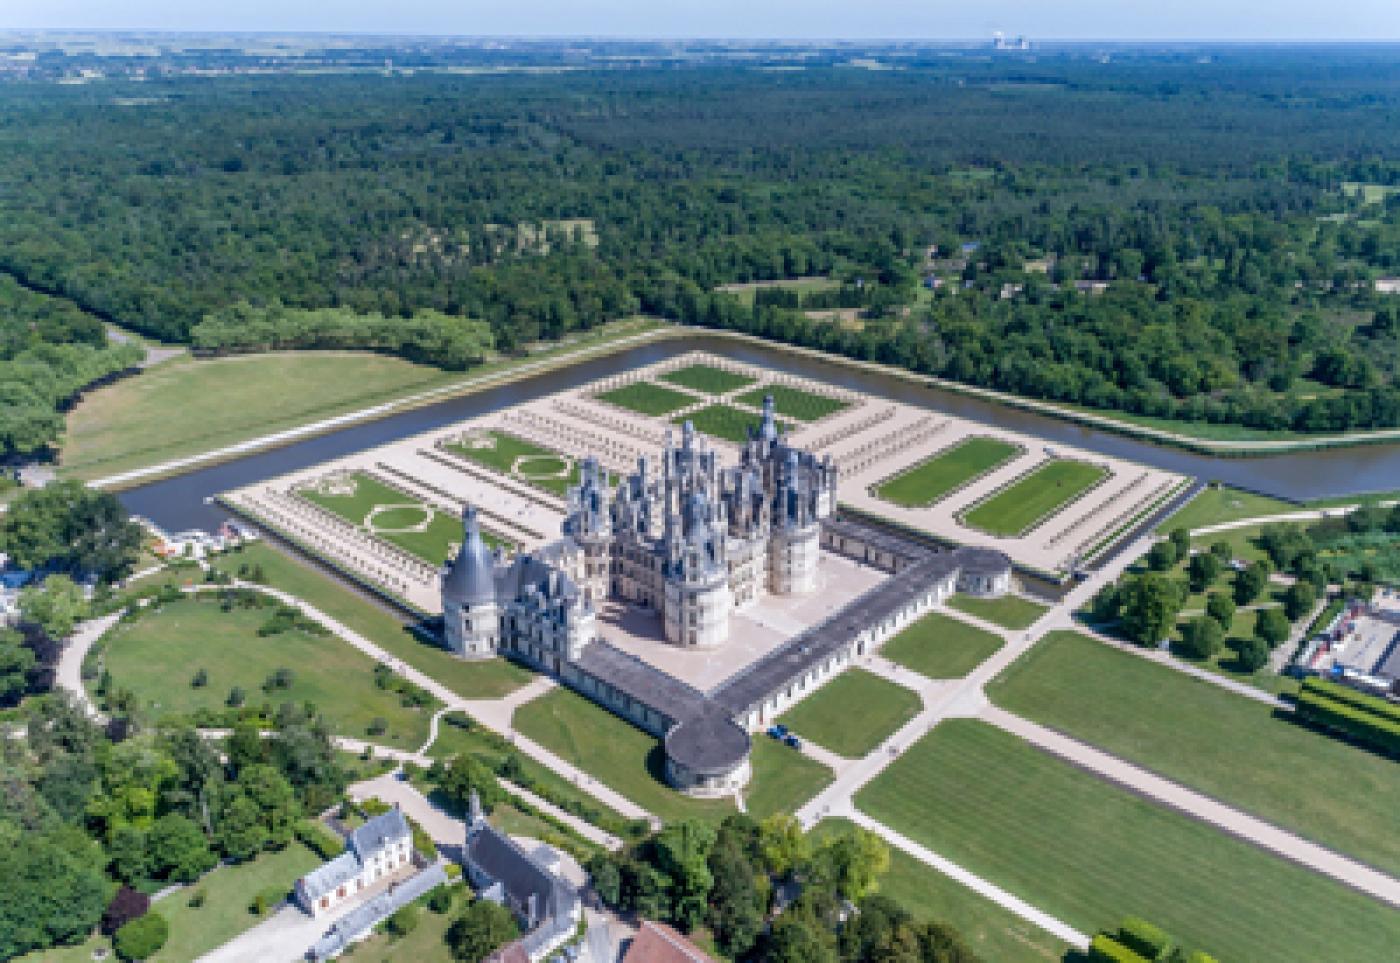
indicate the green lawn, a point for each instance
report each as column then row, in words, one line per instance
column 794, row 402
column 1231, row 748
column 1225, row 662
column 1219, row 504
column 1089, row 853
column 504, row 452
column 853, row 713
column 1033, row 498
column 486, row 679
column 783, row 779
column 612, row 750
column 1008, row 611
column 646, row 398
column 995, row 934
column 935, row 477
column 707, row 379
column 427, row 943
column 157, row 656
column 725, row 421
column 941, row 647
column 435, row 543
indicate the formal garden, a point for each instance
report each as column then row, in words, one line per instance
column 517, row 458
column 947, row 471
column 707, row 379
column 794, row 402
column 726, row 422
column 646, row 398
column 1034, row 497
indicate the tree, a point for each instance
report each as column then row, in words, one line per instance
column 783, row 844
column 16, row 663
column 737, row 903
column 1249, row 582
column 1104, row 607
column 1162, row 556
column 126, row 906
column 1203, row 570
column 1150, row 603
column 72, row 528
column 179, row 850
column 275, row 799
column 1299, row 600
column 1271, row 625
column 56, row 605
column 1221, row 607
column 1202, row 638
column 859, row 858
column 483, row 928
column 682, row 853
column 1181, row 540
column 129, row 852
column 460, row 776
column 606, row 878
column 796, row 938
column 1251, row 654
column 240, row 833
column 1222, row 552
column 54, row 889
column 142, row 938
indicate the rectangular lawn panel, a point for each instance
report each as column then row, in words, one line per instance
column 995, row 934
column 1230, row 748
column 476, row 679
column 646, row 398
column 946, row 471
column 1033, row 498
column 500, row 451
column 157, row 656
column 707, row 379
column 725, row 421
column 1008, row 611
column 794, row 402
column 783, row 779
column 941, row 647
column 1090, row 853
column 853, row 713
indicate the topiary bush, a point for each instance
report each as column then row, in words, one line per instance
column 142, row 938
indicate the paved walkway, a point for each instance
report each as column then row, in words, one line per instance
column 1305, row 515
column 1202, row 807
column 69, row 674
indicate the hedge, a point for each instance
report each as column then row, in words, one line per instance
column 1319, row 708
column 1144, row 938
column 1368, row 703
column 319, row 839
column 1105, row 949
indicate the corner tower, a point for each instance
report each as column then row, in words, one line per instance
column 470, row 610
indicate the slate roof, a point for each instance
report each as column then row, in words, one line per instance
column 641, row 681
column 378, row 833
column 359, row 920
column 708, row 743
column 497, row 856
column 326, row 877
column 981, row 561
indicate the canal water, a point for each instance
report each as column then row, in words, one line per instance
column 181, row 502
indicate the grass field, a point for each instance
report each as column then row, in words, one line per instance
column 794, row 402
column 941, row 647
column 612, row 750
column 487, row 679
column 946, row 471
column 995, row 934
column 745, row 291
column 707, row 379
column 783, row 779
column 725, row 421
column 853, row 713
column 1008, row 611
column 1219, row 504
column 435, row 543
column 186, row 406
column 425, row 944
column 503, row 452
column 1322, row 788
column 1090, row 853
column 1027, row 502
column 157, row 656
column 646, row 398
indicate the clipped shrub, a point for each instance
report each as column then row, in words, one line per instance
column 1145, row 939
column 319, row 839
column 403, row 920
column 440, row 900
column 1105, row 949
column 142, row 938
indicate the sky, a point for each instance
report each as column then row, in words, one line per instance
column 1284, row 20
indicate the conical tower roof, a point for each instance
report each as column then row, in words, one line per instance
column 471, row 577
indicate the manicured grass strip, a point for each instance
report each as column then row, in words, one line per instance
column 941, row 647
column 1008, row 611
column 724, row 421
column 503, row 452
column 707, row 379
column 433, row 544
column 646, row 398
column 426, row 941
column 614, row 751
column 926, row 894
column 484, row 679
column 1027, row 502
column 794, row 402
column 853, row 713
column 783, row 779
column 157, row 656
column 1090, row 853
column 1219, row 504
column 1221, row 744
column 946, row 471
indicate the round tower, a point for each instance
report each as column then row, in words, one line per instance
column 470, row 610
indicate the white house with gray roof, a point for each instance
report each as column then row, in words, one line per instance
column 380, row 847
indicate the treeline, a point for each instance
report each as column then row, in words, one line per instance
column 50, row 350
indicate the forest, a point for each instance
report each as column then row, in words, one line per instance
column 1190, row 234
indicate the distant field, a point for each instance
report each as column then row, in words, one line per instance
column 441, row 531
column 745, row 291
column 1090, row 853
column 930, row 480
column 794, row 402
column 1219, row 504
column 157, row 656
column 725, row 421
column 520, row 459
column 1322, row 788
column 1025, row 503
column 853, row 713
column 646, row 398
column 997, row 935
column 941, row 647
column 1008, row 611
column 707, row 379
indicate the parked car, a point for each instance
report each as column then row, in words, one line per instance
column 793, row 741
